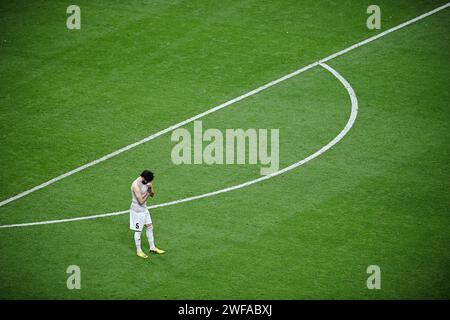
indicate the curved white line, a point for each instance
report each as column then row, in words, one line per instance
column 348, row 126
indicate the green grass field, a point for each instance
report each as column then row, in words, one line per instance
column 381, row 196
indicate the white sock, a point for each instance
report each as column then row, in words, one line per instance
column 137, row 240
column 151, row 241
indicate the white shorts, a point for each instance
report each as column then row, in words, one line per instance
column 139, row 219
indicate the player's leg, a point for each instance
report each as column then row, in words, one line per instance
column 137, row 241
column 136, row 224
column 151, row 240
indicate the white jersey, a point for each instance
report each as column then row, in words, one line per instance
column 135, row 206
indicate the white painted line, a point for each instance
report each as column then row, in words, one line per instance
column 348, row 126
column 63, row 220
column 382, row 34
column 223, row 105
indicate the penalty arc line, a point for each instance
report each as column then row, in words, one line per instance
column 339, row 137
column 228, row 103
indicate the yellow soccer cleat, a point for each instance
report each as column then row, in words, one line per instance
column 157, row 251
column 142, row 255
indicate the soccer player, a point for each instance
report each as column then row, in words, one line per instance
column 141, row 189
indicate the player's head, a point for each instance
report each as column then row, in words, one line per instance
column 147, row 176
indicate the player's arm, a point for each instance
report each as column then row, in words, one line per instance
column 151, row 190
column 137, row 192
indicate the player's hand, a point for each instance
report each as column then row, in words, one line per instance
column 150, row 190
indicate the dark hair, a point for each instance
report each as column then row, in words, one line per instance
column 147, row 175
